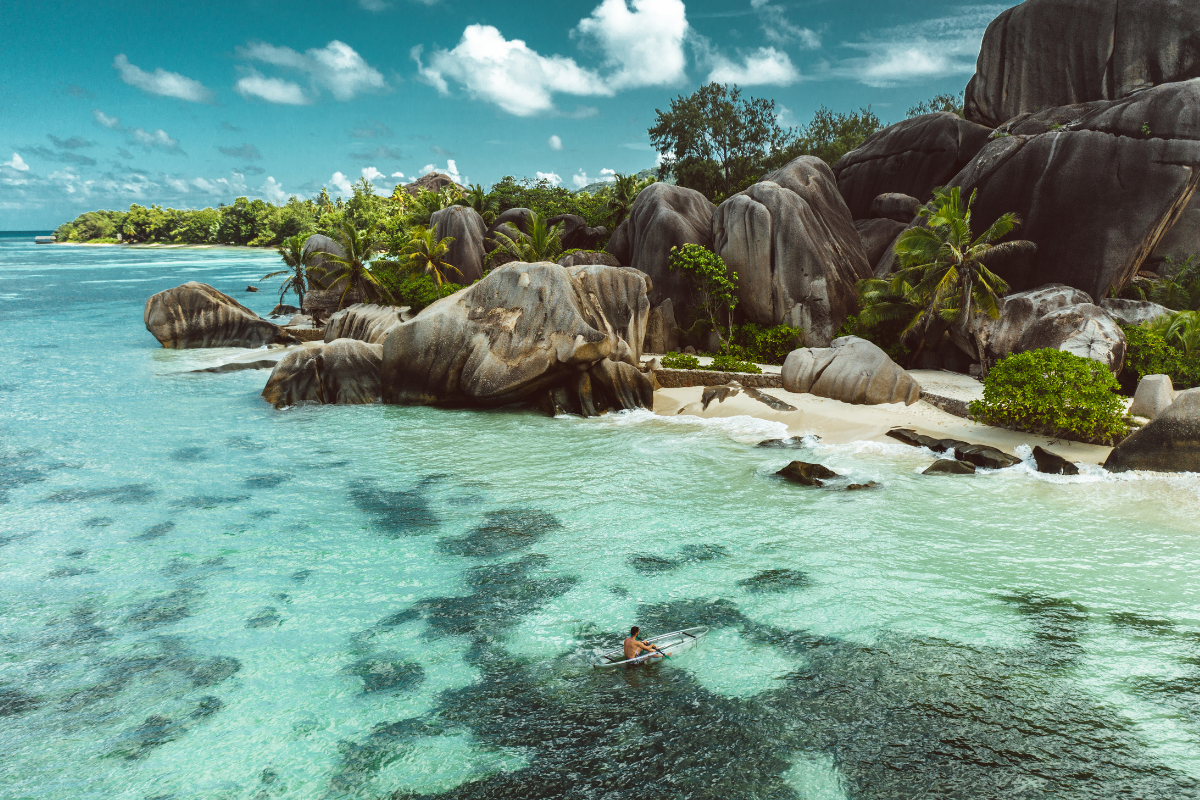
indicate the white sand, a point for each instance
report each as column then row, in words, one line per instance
column 838, row 423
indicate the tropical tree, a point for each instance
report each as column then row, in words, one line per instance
column 715, row 284
column 540, row 242
column 424, row 252
column 351, row 272
column 481, row 201
column 426, row 202
column 621, row 193
column 944, row 268
column 301, row 274
column 1184, row 332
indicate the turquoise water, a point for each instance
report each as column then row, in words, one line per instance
column 204, row 597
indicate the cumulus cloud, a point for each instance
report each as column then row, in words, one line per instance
column 380, row 153
column 336, row 68
column 161, row 82
column 74, row 143
column 105, row 121
column 156, row 140
column 372, row 174
column 552, row 177
column 555, row 143
column 273, row 191
column 247, row 152
column 643, row 45
column 342, row 184
column 765, row 66
column 438, row 150
column 17, row 163
column 580, row 179
column 608, row 173
column 398, row 175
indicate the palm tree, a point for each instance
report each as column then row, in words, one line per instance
column 351, row 272
column 425, row 253
column 621, row 193
column 1184, row 332
column 540, row 242
column 427, row 202
column 479, row 200
column 946, row 265
column 301, row 274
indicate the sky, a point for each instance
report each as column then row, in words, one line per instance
column 188, row 105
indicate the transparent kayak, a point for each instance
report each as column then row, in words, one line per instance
column 670, row 643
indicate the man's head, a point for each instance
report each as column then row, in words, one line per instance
column 634, row 630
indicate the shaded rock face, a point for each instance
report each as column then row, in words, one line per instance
column 948, row 466
column 662, row 334
column 877, row 237
column 806, row 474
column 621, row 295
column 606, row 386
column 522, row 329
column 1052, row 464
column 1048, row 53
column 342, row 372
column 466, row 252
column 1154, row 395
column 662, row 217
column 1170, row 443
column 197, row 315
column 517, row 218
column 792, row 243
column 433, row 182
column 1133, row 312
column 586, row 259
column 366, row 323
column 853, row 370
column 910, row 157
column 895, row 206
column 576, row 233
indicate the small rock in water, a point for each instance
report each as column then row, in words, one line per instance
column 1052, row 464
column 791, row 441
column 807, row 474
column 856, row 486
column 251, row 288
column 984, row 456
column 948, row 466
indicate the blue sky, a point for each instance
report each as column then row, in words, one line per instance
column 107, row 103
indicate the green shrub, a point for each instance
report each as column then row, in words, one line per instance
column 725, row 363
column 1147, row 352
column 770, row 346
column 1053, row 393
column 411, row 289
column 679, row 361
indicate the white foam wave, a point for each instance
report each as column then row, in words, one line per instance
column 744, row 428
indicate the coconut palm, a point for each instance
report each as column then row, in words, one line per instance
column 301, row 273
column 426, row 202
column 426, row 253
column 1184, row 332
column 351, row 272
column 479, row 200
column 540, row 242
column 621, row 193
column 946, row 265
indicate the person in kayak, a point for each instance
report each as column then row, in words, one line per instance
column 634, row 648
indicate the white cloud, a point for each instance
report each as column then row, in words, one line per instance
column 342, row 184
column 555, row 143
column 273, row 191
column 168, row 84
column 399, row 175
column 580, row 179
column 273, row 90
column 764, row 66
column 158, row 140
column 112, row 123
column 608, row 172
column 372, row 174
column 643, row 46
column 507, row 73
column 779, row 29
column 336, row 67
column 17, row 163
column 552, row 177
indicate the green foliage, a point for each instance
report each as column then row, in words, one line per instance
column 90, row 226
column 1053, row 393
column 351, row 273
column 1149, row 352
column 715, row 284
column 425, row 253
column 620, row 194
column 298, row 279
column 728, row 363
column 411, row 289
column 540, row 242
column 675, row 360
column 952, row 103
column 830, row 135
column 547, row 200
column 751, row 343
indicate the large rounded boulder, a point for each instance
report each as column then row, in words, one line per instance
column 620, row 293
column 878, row 236
column 197, row 315
column 1170, row 443
column 341, row 372
column 910, row 157
column 466, row 252
column 1085, row 330
column 1134, row 312
column 575, row 233
column 795, row 250
column 522, row 330
column 662, row 217
column 852, row 370
column 365, row 322
column 1048, row 53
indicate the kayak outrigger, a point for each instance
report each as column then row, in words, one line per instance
column 667, row 644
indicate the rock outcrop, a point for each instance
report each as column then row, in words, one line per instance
column 589, row 258
column 895, row 206
column 662, row 217
column 466, row 252
column 1133, row 312
column 948, row 466
column 575, row 232
column 514, row 219
column 793, row 245
column 1048, row 53
column 806, row 474
column 342, row 372
column 621, row 295
column 877, row 237
column 366, row 323
column 852, row 370
column 1154, row 395
column 662, row 334
column 1085, row 330
column 1170, row 443
column 197, row 315
column 910, row 157
column 522, row 330
column 1052, row 463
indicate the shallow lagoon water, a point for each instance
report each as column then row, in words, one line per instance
column 208, row 598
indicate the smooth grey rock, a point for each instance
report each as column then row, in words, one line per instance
column 983, row 456
column 662, row 333
column 342, row 372
column 663, row 216
column 1085, row 330
column 1048, row 53
column 896, row 206
column 852, row 370
column 466, row 252
column 1052, row 464
column 522, row 329
column 621, row 295
column 807, row 474
column 1155, row 393
column 197, row 315
column 300, row 319
column 1169, row 443
column 1133, row 312
column 588, row 258
column 793, row 245
column 718, row 393
column 577, row 235
column 367, row 323
column 878, row 236
column 910, row 157
column 511, row 222
column 283, row 310
column 948, row 466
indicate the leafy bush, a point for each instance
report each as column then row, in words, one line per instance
column 1053, row 393
column 771, row 346
column 674, row 360
column 715, row 284
column 725, row 363
column 1147, row 352
column 411, row 289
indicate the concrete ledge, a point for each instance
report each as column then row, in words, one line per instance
column 679, row 378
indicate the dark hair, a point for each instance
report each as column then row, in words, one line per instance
column 634, row 630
